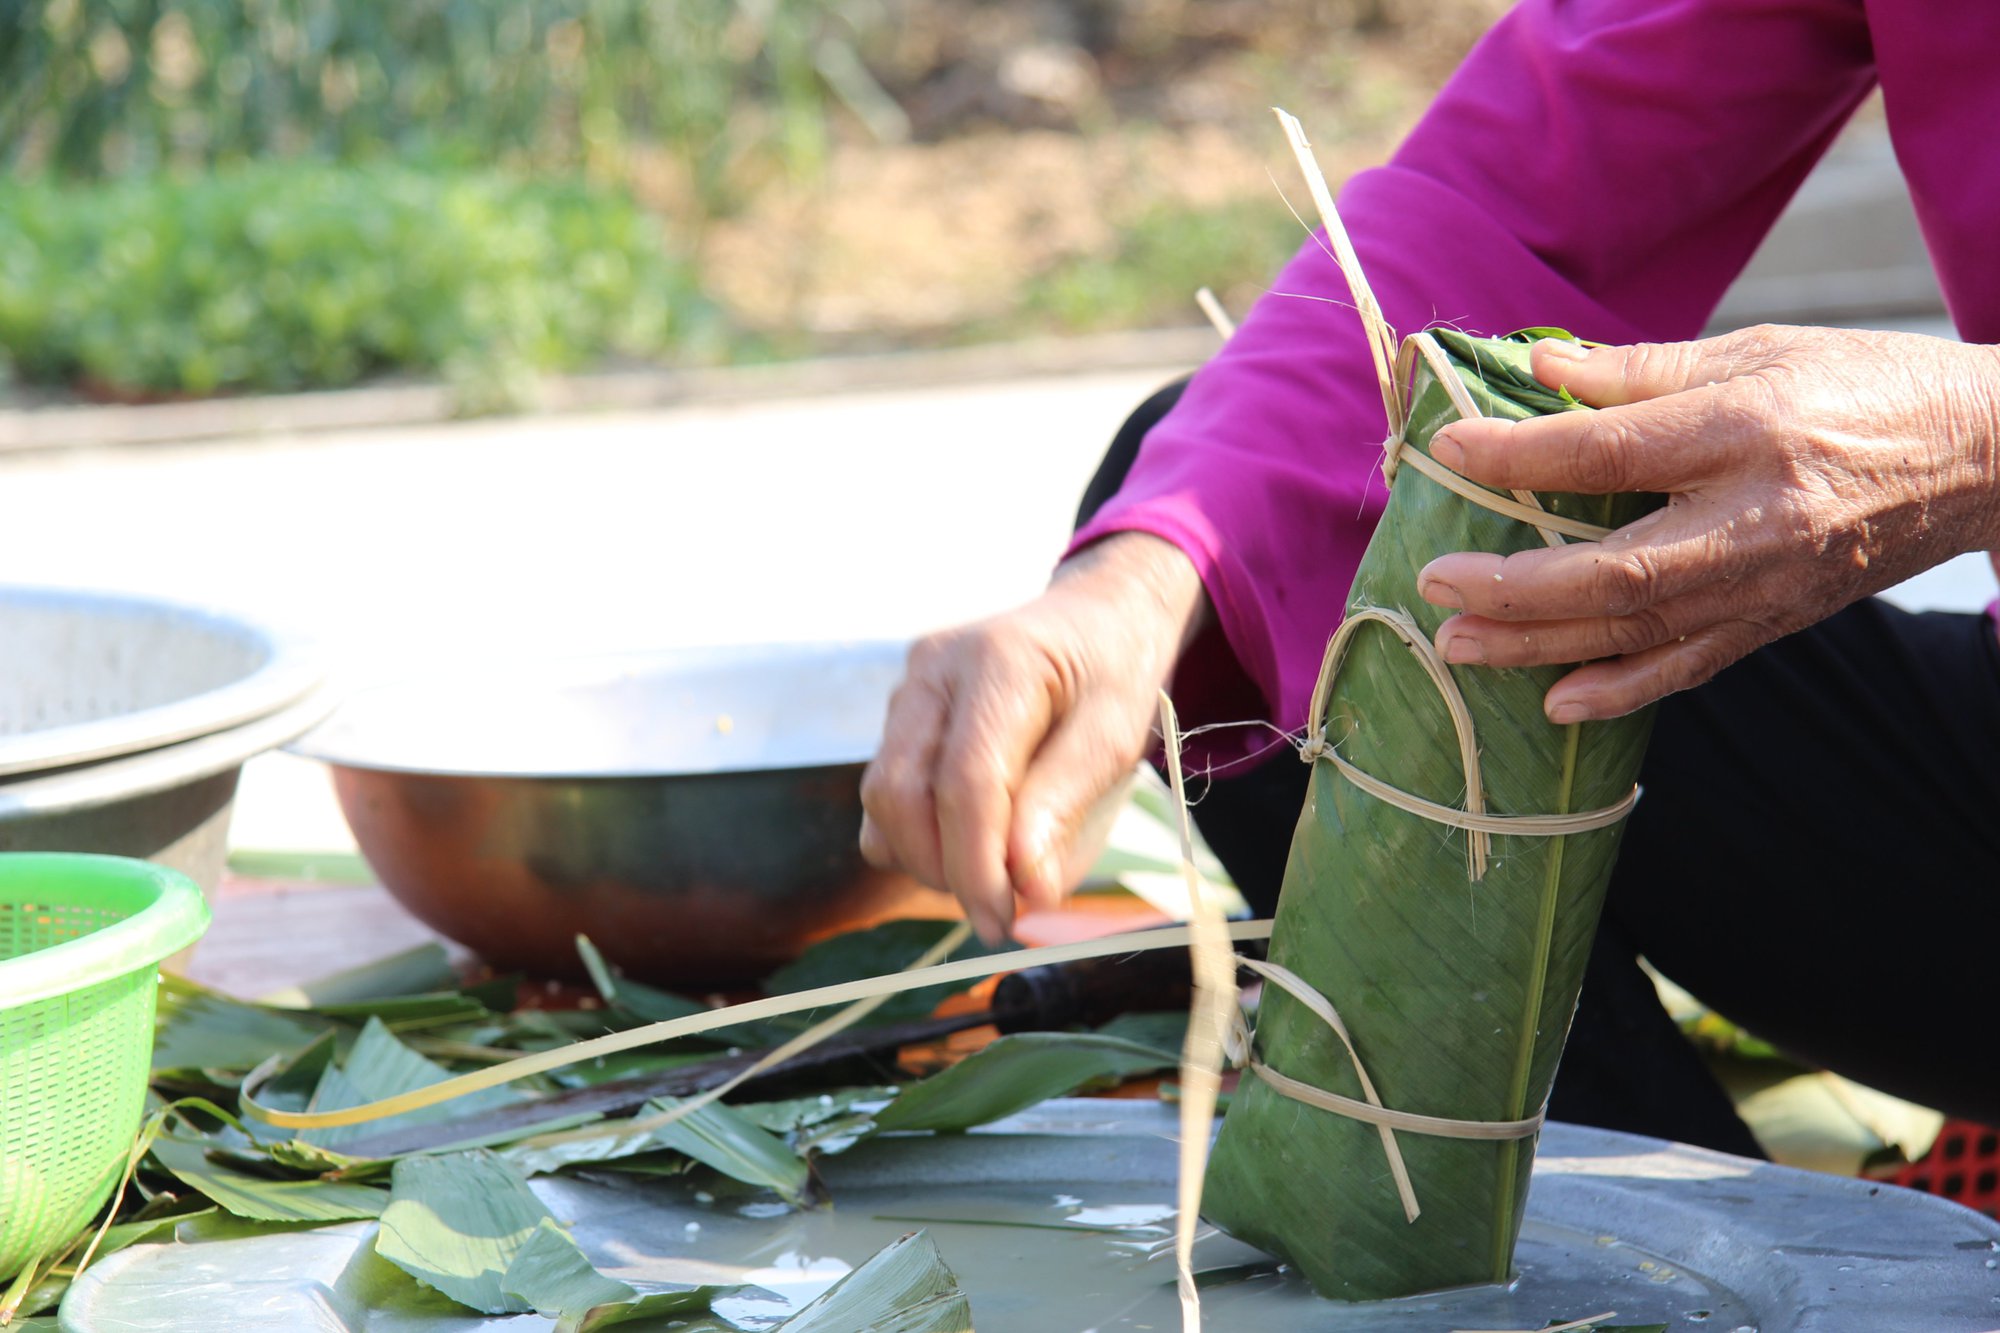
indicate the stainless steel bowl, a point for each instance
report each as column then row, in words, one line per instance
column 694, row 812
column 170, row 804
column 91, row 675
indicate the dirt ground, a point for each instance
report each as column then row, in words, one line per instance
column 1033, row 140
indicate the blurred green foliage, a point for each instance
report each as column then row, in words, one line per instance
column 93, row 87
column 1161, row 257
column 206, row 195
column 281, row 275
column 268, row 194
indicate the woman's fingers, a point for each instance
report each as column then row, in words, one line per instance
column 1671, row 445
column 1471, row 639
column 1639, row 372
column 1001, row 713
column 1670, row 553
column 1622, row 685
column 1085, row 759
column 1002, row 743
column 1804, row 468
column 1678, row 415
column 899, row 823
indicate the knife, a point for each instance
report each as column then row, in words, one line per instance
column 1037, row 999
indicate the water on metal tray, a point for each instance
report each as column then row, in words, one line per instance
column 1101, row 1259
column 1059, row 1221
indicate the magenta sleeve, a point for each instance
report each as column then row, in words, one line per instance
column 1604, row 165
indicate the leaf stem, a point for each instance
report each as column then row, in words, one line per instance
column 1531, row 1016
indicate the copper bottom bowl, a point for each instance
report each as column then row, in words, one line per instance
column 693, row 813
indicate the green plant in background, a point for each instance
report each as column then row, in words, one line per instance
column 232, row 213
column 282, row 275
column 710, row 113
column 728, row 87
column 1161, row 258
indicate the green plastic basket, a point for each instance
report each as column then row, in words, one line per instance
column 81, row 939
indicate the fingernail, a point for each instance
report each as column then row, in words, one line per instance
column 989, row 929
column 1564, row 714
column 1461, row 650
column 1049, row 872
column 1446, row 451
column 1561, row 350
column 1439, row 593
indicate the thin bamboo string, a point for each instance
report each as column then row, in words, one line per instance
column 776, row 1006
column 1392, row 446
column 1465, row 489
column 1218, row 318
column 1472, row 818
column 1210, row 1017
column 806, row 1040
column 1589, row 1321
column 1478, row 846
column 1461, row 400
column 1321, row 1007
column 1381, row 338
column 1387, row 1119
column 1513, row 826
column 1394, row 363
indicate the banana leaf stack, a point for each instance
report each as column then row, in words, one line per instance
column 1456, row 982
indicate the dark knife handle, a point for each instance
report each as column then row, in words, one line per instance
column 1092, row 991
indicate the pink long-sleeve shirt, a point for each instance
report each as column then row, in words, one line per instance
column 1603, row 165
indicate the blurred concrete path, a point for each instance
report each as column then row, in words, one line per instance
column 861, row 515
column 869, row 515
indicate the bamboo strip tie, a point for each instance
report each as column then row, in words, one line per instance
column 1538, row 518
column 613, row 1043
column 1527, row 506
column 1479, row 845
column 1394, row 367
column 1213, row 1016
column 1472, row 818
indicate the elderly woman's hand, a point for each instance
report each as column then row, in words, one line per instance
column 1007, row 738
column 1804, row 469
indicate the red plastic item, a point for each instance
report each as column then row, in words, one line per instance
column 1963, row 1166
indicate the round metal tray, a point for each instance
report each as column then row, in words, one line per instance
column 1058, row 1221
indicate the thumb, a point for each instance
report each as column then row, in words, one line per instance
column 1064, row 804
column 1615, row 376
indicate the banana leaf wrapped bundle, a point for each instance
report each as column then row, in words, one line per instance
column 1447, row 934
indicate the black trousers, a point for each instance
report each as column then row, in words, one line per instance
column 1817, row 858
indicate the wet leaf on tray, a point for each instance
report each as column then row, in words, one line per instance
column 719, row 1137
column 905, row 1288
column 552, row 1274
column 652, row 1305
column 1016, row 1072
column 263, row 1198
column 461, row 1223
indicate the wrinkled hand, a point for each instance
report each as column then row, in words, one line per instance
column 1007, row 736
column 1804, row 469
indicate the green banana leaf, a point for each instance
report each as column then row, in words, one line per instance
column 261, row 1198
column 380, row 1066
column 1458, row 994
column 469, row 1226
column 905, row 1288
column 1013, row 1074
